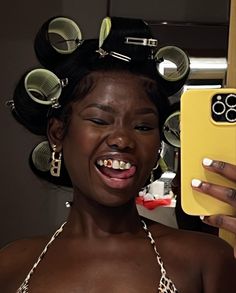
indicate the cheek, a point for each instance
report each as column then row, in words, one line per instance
column 79, row 146
column 150, row 150
column 153, row 142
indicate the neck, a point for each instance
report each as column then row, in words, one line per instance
column 91, row 219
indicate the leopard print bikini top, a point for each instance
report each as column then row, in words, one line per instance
column 165, row 284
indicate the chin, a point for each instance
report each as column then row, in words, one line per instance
column 117, row 201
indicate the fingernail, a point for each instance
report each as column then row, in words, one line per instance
column 196, row 183
column 207, row 162
column 202, row 217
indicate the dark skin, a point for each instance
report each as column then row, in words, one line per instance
column 103, row 247
column 220, row 192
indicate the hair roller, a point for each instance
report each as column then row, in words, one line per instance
column 57, row 38
column 114, row 32
column 44, row 87
column 41, row 156
column 27, row 112
column 39, row 161
column 172, row 80
column 36, row 93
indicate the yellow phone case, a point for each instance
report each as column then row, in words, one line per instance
column 202, row 137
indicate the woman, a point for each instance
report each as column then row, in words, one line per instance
column 107, row 127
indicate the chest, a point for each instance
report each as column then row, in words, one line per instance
column 114, row 267
column 96, row 272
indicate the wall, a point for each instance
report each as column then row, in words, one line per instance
column 199, row 27
column 202, row 11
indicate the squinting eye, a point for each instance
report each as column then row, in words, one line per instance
column 143, row 128
column 98, row 121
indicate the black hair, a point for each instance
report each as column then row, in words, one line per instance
column 77, row 68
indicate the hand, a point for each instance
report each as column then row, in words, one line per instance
column 225, row 194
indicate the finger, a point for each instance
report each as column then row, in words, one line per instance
column 221, row 221
column 225, row 169
column 224, row 222
column 222, row 193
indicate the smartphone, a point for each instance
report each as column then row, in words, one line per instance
column 207, row 130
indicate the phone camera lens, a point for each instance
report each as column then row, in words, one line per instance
column 230, row 115
column 230, row 100
column 218, row 108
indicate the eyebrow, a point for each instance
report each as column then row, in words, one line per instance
column 109, row 109
column 105, row 108
column 146, row 111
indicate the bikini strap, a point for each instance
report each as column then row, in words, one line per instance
column 165, row 285
column 24, row 286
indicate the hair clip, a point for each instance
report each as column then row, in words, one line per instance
column 75, row 42
column 44, row 87
column 114, row 54
column 141, row 41
column 120, row 56
column 101, row 52
column 10, row 104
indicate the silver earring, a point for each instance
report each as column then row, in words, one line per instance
column 55, row 166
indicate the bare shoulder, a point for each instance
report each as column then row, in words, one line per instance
column 199, row 254
column 16, row 260
column 191, row 240
column 202, row 247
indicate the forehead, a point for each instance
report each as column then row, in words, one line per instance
column 119, row 87
column 124, row 77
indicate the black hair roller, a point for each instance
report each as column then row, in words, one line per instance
column 172, row 80
column 114, row 32
column 37, row 91
column 30, row 114
column 57, row 38
column 39, row 161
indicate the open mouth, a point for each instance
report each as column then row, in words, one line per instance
column 118, row 169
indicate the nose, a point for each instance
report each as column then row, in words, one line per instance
column 121, row 140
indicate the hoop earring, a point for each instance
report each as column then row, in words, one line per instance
column 55, row 166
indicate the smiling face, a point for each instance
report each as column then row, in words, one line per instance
column 112, row 139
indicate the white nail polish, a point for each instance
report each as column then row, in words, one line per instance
column 196, row 183
column 207, row 162
column 202, row 217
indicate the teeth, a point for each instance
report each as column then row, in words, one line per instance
column 114, row 164
column 127, row 166
column 105, row 163
column 122, row 165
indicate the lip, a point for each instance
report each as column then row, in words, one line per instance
column 116, row 183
